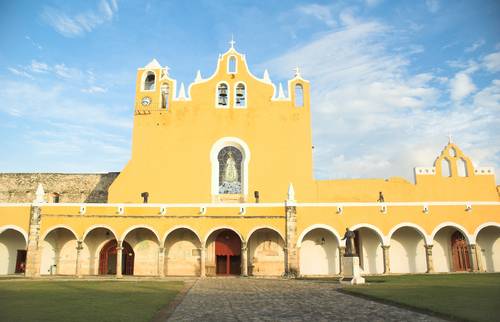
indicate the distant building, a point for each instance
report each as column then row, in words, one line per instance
column 220, row 181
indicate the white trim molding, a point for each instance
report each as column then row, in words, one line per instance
column 173, row 229
column 130, row 229
column 96, row 226
column 383, row 238
column 470, row 239
column 221, row 228
column 16, row 228
column 249, row 235
column 319, row 226
column 51, row 229
column 420, row 230
column 485, row 225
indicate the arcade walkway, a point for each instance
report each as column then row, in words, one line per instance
column 241, row 299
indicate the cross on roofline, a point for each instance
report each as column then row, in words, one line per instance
column 297, row 71
column 232, row 42
column 450, row 138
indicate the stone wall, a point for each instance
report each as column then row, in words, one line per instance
column 74, row 187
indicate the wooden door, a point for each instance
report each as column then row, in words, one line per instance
column 107, row 259
column 21, row 261
column 460, row 252
column 228, row 253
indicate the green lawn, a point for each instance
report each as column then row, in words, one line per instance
column 472, row 297
column 89, row 301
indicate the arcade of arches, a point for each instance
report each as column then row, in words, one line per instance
column 224, row 252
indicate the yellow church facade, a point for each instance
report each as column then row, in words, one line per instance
column 220, row 181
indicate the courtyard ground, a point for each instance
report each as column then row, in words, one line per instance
column 470, row 297
column 83, row 300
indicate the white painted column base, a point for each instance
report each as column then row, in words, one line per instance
column 351, row 271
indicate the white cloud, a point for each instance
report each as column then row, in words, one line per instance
column 320, row 12
column 475, row 46
column 38, row 67
column 19, row 72
column 94, row 89
column 372, row 3
column 372, row 117
column 489, row 97
column 432, row 5
column 492, row 62
column 77, row 25
column 67, row 72
column 461, row 86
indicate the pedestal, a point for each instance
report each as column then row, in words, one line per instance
column 351, row 271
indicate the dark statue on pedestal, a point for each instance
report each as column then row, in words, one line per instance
column 350, row 250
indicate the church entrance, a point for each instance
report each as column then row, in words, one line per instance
column 107, row 259
column 460, row 252
column 228, row 253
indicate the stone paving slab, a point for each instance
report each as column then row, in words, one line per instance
column 251, row 299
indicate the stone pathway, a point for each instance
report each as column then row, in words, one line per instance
column 251, row 299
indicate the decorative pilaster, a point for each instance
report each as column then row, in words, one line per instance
column 291, row 263
column 428, row 259
column 79, row 247
column 387, row 263
column 161, row 262
column 244, row 259
column 473, row 258
column 33, row 253
column 202, row 261
column 341, row 258
column 119, row 255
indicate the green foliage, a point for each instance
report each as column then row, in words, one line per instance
column 25, row 300
column 471, row 297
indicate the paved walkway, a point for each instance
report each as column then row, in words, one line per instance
column 250, row 299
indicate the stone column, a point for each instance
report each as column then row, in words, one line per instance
column 161, row 262
column 341, row 258
column 33, row 253
column 291, row 262
column 119, row 253
column 428, row 259
column 387, row 263
column 202, row 261
column 79, row 247
column 244, row 259
column 473, row 258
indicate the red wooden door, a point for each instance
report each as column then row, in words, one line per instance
column 107, row 259
column 460, row 252
column 21, row 261
column 227, row 253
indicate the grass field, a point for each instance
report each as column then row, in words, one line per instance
column 471, row 297
column 89, row 301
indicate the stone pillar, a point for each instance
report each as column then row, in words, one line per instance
column 119, row 253
column 291, row 262
column 244, row 259
column 473, row 258
column 387, row 263
column 33, row 253
column 79, row 247
column 341, row 258
column 161, row 262
column 428, row 259
column 202, row 261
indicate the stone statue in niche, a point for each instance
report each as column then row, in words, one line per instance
column 230, row 171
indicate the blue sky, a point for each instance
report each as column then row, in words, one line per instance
column 390, row 80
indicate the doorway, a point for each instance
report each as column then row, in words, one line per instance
column 228, row 253
column 460, row 252
column 107, row 259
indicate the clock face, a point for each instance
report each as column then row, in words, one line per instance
column 146, row 101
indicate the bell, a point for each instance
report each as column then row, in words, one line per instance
column 240, row 92
column 222, row 100
column 223, row 92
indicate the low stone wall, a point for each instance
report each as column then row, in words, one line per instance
column 71, row 187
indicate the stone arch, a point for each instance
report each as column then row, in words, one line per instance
column 182, row 252
column 16, row 228
column 322, row 226
column 407, row 251
column 214, row 152
column 145, row 243
column 419, row 229
column 318, row 250
column 208, row 235
column 49, row 230
column 265, row 252
column 264, row 227
column 58, row 251
column 487, row 238
column 442, row 251
column 88, row 230
column 171, row 230
column 13, row 244
column 369, row 241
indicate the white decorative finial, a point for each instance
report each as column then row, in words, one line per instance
column 40, row 194
column 296, row 71
column 182, row 92
column 291, row 193
column 232, row 42
column 450, row 139
column 153, row 64
column 281, row 93
column 198, row 77
column 266, row 77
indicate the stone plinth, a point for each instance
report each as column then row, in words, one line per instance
column 351, row 271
